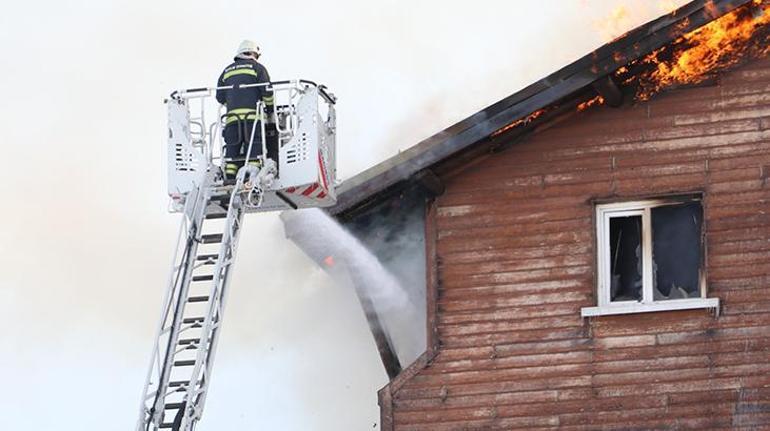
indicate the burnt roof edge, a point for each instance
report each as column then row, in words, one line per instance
column 538, row 95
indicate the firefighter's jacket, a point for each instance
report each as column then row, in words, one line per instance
column 242, row 102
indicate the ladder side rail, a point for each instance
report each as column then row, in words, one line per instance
column 223, row 260
column 169, row 351
column 165, row 307
column 181, row 289
column 169, row 302
column 214, row 339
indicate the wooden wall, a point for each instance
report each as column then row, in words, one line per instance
column 516, row 261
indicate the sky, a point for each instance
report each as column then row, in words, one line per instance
column 85, row 238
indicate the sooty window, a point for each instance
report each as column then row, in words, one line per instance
column 650, row 257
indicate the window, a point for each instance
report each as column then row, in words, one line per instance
column 650, row 257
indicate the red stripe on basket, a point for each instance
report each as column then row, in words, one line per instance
column 310, row 189
column 323, row 172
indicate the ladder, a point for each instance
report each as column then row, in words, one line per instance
column 180, row 371
column 213, row 208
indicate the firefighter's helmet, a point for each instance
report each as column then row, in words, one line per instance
column 248, row 46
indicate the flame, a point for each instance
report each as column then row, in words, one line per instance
column 719, row 44
column 690, row 59
column 598, row 100
column 526, row 120
column 329, row 261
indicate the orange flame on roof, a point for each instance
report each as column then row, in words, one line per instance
column 719, row 44
column 597, row 100
column 526, row 120
column 690, row 59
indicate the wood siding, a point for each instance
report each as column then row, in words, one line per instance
column 515, row 254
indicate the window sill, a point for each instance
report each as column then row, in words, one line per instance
column 637, row 307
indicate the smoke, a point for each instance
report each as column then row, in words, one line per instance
column 358, row 266
column 630, row 14
column 85, row 242
column 380, row 285
column 614, row 24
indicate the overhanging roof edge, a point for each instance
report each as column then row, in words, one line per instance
column 565, row 81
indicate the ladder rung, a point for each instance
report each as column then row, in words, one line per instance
column 193, row 320
column 184, row 363
column 184, row 341
column 221, row 199
column 167, row 425
column 215, row 216
column 198, row 299
column 170, row 406
column 207, row 277
column 207, row 257
column 211, row 238
column 178, row 383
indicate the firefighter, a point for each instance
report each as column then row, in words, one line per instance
column 242, row 121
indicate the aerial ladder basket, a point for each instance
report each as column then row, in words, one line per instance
column 305, row 125
column 212, row 209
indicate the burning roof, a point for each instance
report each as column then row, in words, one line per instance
column 685, row 47
column 692, row 58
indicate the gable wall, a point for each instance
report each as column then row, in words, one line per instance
column 515, row 249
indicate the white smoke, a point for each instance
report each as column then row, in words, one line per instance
column 85, row 242
column 354, row 265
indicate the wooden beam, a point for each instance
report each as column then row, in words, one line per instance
column 430, row 182
column 609, row 90
column 381, row 338
column 431, row 279
column 306, row 236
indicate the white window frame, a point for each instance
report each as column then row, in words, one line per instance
column 606, row 212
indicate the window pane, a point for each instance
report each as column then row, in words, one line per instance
column 626, row 258
column 676, row 251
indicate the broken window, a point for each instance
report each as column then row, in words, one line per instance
column 626, row 258
column 676, row 251
column 650, row 256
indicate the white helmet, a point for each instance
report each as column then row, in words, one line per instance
column 248, row 46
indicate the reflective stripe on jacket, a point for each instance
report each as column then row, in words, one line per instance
column 241, row 102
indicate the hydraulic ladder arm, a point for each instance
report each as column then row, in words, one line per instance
column 191, row 316
column 181, row 366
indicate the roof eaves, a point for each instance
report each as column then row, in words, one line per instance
column 560, row 84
